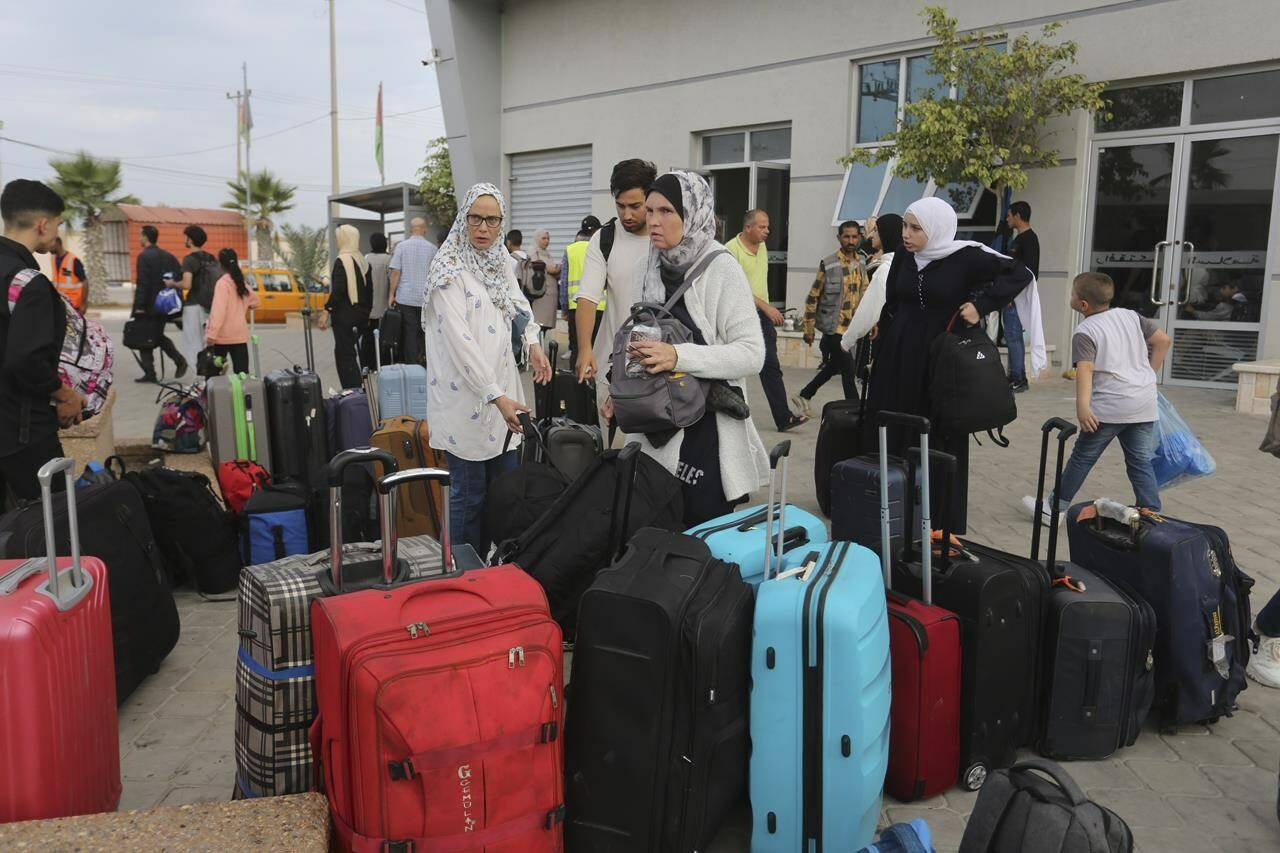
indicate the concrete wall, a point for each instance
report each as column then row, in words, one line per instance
column 644, row 79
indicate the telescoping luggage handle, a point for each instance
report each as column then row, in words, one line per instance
column 334, row 471
column 781, row 454
column 78, row 581
column 883, row 419
column 387, row 486
column 1065, row 429
column 628, row 463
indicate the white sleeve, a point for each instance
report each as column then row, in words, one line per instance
column 869, row 308
column 595, row 272
column 736, row 323
column 476, row 372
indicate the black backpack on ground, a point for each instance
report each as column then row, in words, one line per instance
column 580, row 532
column 656, row 735
column 113, row 527
column 1018, row 810
column 968, row 386
column 196, row 535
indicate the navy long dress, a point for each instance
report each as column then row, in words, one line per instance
column 918, row 306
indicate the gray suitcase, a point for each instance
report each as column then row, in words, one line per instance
column 238, row 423
column 275, row 680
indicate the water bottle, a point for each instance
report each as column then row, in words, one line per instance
column 640, row 332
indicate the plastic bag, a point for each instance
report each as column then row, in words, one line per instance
column 1179, row 455
column 168, row 302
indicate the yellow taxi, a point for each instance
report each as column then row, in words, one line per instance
column 280, row 293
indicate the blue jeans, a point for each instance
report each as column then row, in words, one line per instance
column 468, row 489
column 1013, row 340
column 1268, row 618
column 1138, row 443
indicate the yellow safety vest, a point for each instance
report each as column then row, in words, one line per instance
column 577, row 255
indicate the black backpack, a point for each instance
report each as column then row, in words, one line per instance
column 608, row 232
column 968, row 386
column 1019, row 809
column 195, row 534
column 205, row 279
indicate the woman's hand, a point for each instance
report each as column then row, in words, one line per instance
column 541, row 367
column 511, row 410
column 656, row 356
column 322, row 320
column 969, row 313
column 606, row 409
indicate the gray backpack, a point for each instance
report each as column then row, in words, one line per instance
column 646, row 402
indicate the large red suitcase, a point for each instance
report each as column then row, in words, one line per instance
column 439, row 709
column 59, row 739
column 924, row 652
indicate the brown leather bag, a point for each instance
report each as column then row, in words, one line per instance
column 417, row 504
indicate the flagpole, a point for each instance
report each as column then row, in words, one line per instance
column 333, row 106
column 382, row 152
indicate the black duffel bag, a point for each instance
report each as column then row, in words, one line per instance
column 143, row 333
column 968, row 386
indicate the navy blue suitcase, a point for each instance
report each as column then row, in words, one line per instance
column 855, row 502
column 347, row 418
column 1200, row 597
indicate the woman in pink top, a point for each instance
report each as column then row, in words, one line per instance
column 228, row 332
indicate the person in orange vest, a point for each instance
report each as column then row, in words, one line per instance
column 68, row 274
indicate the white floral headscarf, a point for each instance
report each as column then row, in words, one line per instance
column 457, row 253
column 699, row 235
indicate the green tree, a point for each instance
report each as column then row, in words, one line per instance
column 266, row 198
column 306, row 253
column 88, row 186
column 993, row 131
column 435, row 182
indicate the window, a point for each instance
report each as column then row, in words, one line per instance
column 861, row 191
column 772, row 144
column 276, row 283
column 920, row 82
column 1236, row 98
column 882, row 93
column 1141, row 107
column 724, row 148
column 872, row 190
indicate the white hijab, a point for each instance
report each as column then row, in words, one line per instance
column 938, row 220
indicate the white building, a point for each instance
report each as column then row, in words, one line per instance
column 1174, row 196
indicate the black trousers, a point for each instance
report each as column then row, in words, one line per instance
column 18, row 471
column 413, row 346
column 771, row 375
column 834, row 360
column 239, row 354
column 350, row 326
column 573, row 338
column 147, row 357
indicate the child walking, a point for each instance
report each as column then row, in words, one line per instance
column 1116, row 353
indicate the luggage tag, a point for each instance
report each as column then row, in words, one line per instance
column 803, row 571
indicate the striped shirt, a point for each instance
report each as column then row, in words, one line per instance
column 413, row 258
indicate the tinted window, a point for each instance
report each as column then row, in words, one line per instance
column 771, row 144
column 1142, row 107
column 920, row 81
column 877, row 100
column 861, row 191
column 1235, row 98
column 725, row 148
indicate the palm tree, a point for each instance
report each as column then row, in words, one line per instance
column 307, row 254
column 88, row 186
column 267, row 197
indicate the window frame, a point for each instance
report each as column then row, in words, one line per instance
column 930, row 189
column 1184, row 117
column 746, row 132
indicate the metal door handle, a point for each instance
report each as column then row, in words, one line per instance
column 1186, row 267
column 1155, row 272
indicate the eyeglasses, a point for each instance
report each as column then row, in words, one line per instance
column 475, row 220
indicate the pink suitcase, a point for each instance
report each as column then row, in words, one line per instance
column 59, row 738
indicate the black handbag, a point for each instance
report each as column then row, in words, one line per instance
column 209, row 365
column 143, row 333
column 968, row 387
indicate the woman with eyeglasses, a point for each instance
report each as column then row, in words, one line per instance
column 474, row 393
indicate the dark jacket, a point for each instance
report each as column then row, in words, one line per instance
column 153, row 263
column 1026, row 249
column 31, row 335
column 339, row 299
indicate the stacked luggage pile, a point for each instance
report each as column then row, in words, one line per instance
column 761, row 656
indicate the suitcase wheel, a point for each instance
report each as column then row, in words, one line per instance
column 974, row 777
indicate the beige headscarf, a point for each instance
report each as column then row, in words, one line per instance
column 349, row 253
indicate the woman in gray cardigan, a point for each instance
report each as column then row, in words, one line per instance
column 720, row 459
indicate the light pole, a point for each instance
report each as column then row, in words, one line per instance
column 333, row 107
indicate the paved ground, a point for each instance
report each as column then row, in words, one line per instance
column 1199, row 790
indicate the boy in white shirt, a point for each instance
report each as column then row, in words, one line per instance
column 1116, row 353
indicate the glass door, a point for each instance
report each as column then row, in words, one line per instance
column 1218, row 263
column 773, row 195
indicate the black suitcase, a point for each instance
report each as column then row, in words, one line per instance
column 300, row 442
column 840, row 437
column 390, row 334
column 855, row 502
column 1098, row 646
column 657, row 747
column 113, row 527
column 565, row 396
column 1000, row 599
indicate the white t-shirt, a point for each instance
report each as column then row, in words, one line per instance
column 614, row 283
column 1124, row 385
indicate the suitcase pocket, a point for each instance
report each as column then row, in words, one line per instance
column 715, row 787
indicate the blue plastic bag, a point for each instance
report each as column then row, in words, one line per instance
column 1179, row 455
column 168, row 301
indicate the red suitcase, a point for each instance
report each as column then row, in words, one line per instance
column 59, row 739
column 924, row 651
column 439, row 708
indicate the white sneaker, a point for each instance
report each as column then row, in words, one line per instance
column 1046, row 512
column 1264, row 665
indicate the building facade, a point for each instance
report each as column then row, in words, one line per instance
column 1176, row 196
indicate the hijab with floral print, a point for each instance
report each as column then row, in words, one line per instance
column 457, row 253
column 699, row 233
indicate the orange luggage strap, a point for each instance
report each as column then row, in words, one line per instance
column 439, row 759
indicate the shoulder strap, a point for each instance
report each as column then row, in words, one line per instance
column 691, row 276
column 20, row 279
column 607, row 235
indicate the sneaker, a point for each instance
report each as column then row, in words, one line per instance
column 1046, row 512
column 1264, row 665
column 1017, row 386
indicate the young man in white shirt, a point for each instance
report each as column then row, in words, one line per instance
column 610, row 279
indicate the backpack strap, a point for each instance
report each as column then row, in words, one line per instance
column 691, row 276
column 20, row 279
column 988, row 813
column 1085, row 812
column 607, row 235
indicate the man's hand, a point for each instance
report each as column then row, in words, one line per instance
column 541, row 367
column 1088, row 422
column 69, row 405
column 606, row 409
column 322, row 320
column 969, row 313
column 656, row 356
column 875, row 330
column 511, row 410
column 774, row 315
column 586, row 365
column 808, row 339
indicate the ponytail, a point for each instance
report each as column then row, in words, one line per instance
column 230, row 264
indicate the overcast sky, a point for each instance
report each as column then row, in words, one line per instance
column 138, row 80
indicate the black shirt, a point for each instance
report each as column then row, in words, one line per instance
column 1026, row 249
column 31, row 335
column 201, row 292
